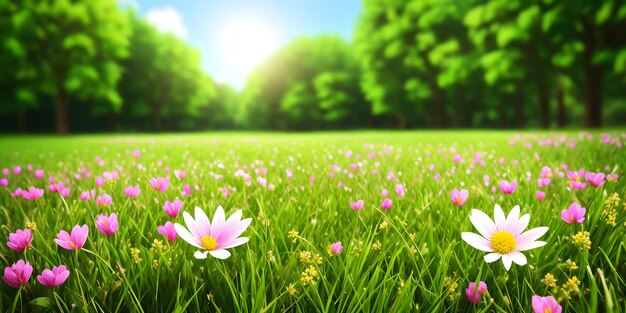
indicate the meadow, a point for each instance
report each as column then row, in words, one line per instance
column 338, row 222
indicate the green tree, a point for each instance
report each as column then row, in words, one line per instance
column 73, row 47
column 415, row 57
column 163, row 80
column 308, row 84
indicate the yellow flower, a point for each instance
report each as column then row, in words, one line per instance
column 291, row 290
column 582, row 240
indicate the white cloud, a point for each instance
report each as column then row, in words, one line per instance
column 167, row 20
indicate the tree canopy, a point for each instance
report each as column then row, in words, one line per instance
column 410, row 64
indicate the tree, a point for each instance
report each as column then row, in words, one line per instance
column 74, row 47
column 163, row 80
column 298, row 86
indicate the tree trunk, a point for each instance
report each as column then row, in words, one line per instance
column 402, row 121
column 560, row 102
column 156, row 119
column 520, row 121
column 440, row 107
column 544, row 101
column 22, row 124
column 502, row 115
column 594, row 75
column 61, row 109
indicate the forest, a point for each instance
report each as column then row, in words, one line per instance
column 79, row 66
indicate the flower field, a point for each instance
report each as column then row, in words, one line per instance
column 471, row 221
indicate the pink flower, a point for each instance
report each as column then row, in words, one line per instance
column 216, row 236
column 595, row 179
column 459, row 197
column 107, row 225
column 577, row 185
column 74, row 241
column 357, row 206
column 17, row 170
column 55, row 277
column 457, row 158
column 575, row 213
column 32, row 193
column 159, row 184
column 546, row 172
column 180, row 174
column 186, row 191
column 6, row 172
column 87, row 195
column 132, row 191
column 99, row 181
column 508, row 188
column 336, row 247
column 540, row 195
column 545, row 305
column 20, row 240
column 104, row 200
column 137, row 153
column 486, row 180
column 400, row 190
column 576, row 176
column 386, row 204
column 474, row 295
column 17, row 193
column 4, row 182
column 38, row 174
column 172, row 208
column 384, row 192
column 18, row 274
column 168, row 231
column 542, row 182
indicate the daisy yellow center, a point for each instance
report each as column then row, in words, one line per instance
column 458, row 199
column 548, row 310
column 209, row 243
column 503, row 242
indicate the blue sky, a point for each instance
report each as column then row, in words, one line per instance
column 206, row 24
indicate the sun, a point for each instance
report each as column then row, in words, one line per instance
column 247, row 43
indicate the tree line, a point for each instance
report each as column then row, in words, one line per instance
column 87, row 66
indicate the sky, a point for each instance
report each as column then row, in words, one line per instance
column 235, row 35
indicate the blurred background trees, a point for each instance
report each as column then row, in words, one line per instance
column 86, row 66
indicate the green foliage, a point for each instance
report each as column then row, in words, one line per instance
column 310, row 83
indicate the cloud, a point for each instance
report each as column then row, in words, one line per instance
column 167, row 20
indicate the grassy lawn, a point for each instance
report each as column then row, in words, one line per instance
column 298, row 190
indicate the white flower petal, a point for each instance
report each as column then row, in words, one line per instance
column 202, row 221
column 476, row 241
column 518, row 257
column 513, row 215
column 218, row 222
column 483, row 223
column 235, row 242
column 507, row 261
column 531, row 235
column 191, row 225
column 492, row 257
column 235, row 217
column 201, row 254
column 220, row 254
column 521, row 224
column 531, row 245
column 498, row 217
column 186, row 235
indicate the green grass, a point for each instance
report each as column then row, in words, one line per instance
column 422, row 264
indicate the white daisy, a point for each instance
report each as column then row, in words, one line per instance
column 504, row 237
